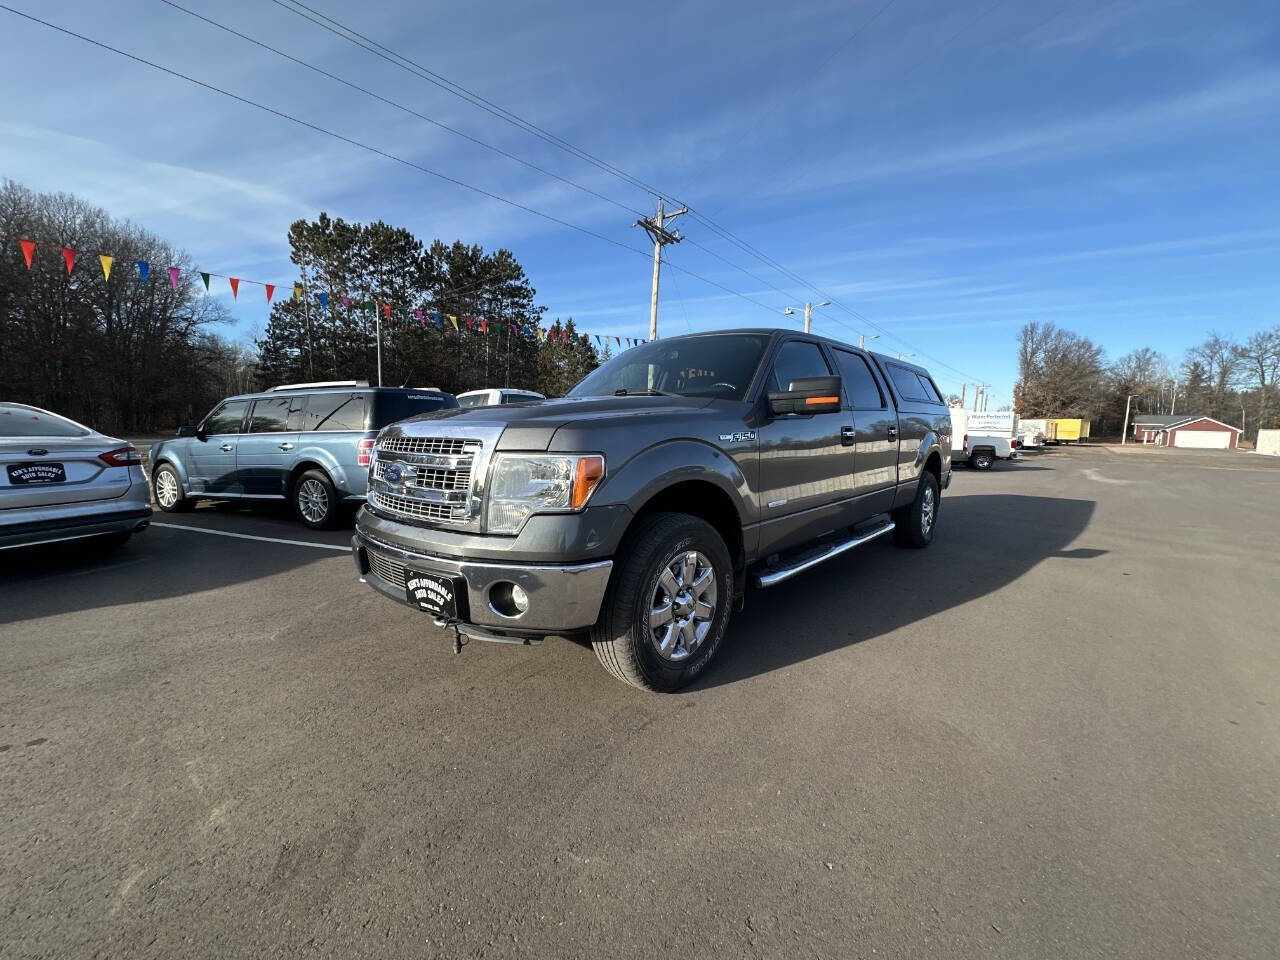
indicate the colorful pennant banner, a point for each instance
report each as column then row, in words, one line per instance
column 390, row 312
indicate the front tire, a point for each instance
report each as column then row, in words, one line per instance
column 668, row 604
column 914, row 524
column 168, row 490
column 315, row 500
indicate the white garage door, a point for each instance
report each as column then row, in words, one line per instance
column 1203, row 439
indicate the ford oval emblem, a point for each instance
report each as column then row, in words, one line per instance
column 37, row 452
column 394, row 472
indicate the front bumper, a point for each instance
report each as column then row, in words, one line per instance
column 562, row 599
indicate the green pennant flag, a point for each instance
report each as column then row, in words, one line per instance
column 205, row 277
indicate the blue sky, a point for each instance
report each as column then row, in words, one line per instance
column 949, row 171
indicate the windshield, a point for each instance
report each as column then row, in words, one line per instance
column 19, row 421
column 715, row 365
column 473, row 400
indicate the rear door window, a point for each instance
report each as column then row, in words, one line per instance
column 906, row 382
column 228, row 418
column 796, row 360
column 859, row 385
column 271, row 415
column 332, row 412
column 930, row 391
column 393, row 407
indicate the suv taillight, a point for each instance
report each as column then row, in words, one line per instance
column 364, row 455
column 122, row 457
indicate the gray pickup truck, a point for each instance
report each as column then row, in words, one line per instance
column 637, row 509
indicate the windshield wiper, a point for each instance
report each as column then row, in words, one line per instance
column 624, row 392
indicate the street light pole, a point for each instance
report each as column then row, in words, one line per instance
column 1124, row 432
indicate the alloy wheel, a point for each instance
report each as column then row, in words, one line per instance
column 683, row 605
column 313, row 500
column 927, row 510
column 166, row 488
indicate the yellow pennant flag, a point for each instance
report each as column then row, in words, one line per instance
column 540, row 334
column 297, row 291
column 453, row 320
column 106, row 265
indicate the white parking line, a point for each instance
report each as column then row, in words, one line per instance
column 246, row 536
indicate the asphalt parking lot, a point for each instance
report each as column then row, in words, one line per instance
column 1055, row 733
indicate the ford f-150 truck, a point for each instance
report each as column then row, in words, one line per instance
column 637, row 509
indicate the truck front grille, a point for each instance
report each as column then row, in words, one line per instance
column 415, row 509
column 392, row 571
column 425, row 479
column 432, row 478
column 444, row 446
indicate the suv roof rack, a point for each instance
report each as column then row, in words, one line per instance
column 320, row 383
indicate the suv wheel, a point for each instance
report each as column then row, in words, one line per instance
column 315, row 500
column 668, row 603
column 913, row 525
column 168, row 490
column 983, row 460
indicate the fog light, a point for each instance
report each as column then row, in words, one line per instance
column 507, row 599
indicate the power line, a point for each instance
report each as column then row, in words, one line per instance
column 339, row 29
column 400, row 106
column 372, row 149
column 335, row 27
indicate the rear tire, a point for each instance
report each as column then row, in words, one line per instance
column 667, row 608
column 982, row 460
column 168, row 490
column 315, row 500
column 914, row 524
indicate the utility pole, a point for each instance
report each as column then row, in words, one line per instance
column 963, row 388
column 808, row 312
column 655, row 227
column 1124, row 431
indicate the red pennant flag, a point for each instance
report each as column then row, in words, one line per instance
column 69, row 256
column 271, row 289
column 470, row 321
column 235, row 287
column 28, row 248
column 484, row 326
column 386, row 309
column 173, row 277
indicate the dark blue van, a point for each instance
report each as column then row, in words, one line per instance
column 309, row 443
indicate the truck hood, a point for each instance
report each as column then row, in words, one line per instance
column 530, row 426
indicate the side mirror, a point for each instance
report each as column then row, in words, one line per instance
column 807, row 395
column 186, row 431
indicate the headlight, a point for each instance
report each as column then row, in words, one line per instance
column 523, row 484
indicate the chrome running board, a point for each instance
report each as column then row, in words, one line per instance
column 811, row 558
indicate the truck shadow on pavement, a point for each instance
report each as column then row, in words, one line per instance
column 982, row 544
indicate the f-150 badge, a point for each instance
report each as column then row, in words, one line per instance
column 745, row 436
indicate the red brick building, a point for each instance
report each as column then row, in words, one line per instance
column 1197, row 432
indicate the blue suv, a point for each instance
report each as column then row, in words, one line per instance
column 309, row 443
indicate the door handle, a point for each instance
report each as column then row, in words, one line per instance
column 846, row 436
column 226, row 448
column 286, row 446
column 893, row 433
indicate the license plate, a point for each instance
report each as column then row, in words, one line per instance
column 28, row 473
column 437, row 595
